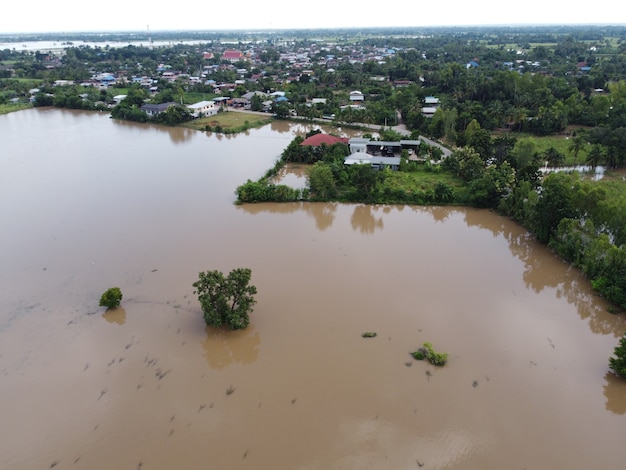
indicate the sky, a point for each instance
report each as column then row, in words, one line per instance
column 124, row 15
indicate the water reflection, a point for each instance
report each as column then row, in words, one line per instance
column 293, row 175
column 115, row 315
column 323, row 213
column 364, row 220
column 438, row 213
column 179, row 134
column 222, row 348
column 542, row 271
column 283, row 126
column 615, row 393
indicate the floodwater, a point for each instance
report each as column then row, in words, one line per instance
column 89, row 203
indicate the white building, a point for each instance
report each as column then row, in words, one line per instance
column 202, row 109
column 356, row 96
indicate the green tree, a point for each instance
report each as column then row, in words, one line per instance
column 226, row 300
column 320, row 181
column 595, row 156
column 174, row 115
column 365, row 179
column 111, row 298
column 256, row 103
column 437, row 124
column 618, row 361
column 554, row 204
column 554, row 157
column 576, row 145
column 496, row 181
column 470, row 164
column 281, row 109
column 524, row 153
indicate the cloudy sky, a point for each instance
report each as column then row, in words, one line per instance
column 125, row 15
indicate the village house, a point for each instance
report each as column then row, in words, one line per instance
column 356, row 96
column 379, row 154
column 117, row 99
column 431, row 104
column 156, row 109
column 232, row 55
column 202, row 109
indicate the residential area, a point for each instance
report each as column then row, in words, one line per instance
column 541, row 81
column 439, row 83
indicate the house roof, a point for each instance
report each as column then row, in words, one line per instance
column 200, row 104
column 358, row 158
column 319, row 139
column 232, row 54
column 160, row 107
column 250, row 94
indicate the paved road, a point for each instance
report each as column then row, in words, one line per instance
column 401, row 129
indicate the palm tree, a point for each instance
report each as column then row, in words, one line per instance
column 595, row 156
column 576, row 145
column 612, row 157
column 520, row 117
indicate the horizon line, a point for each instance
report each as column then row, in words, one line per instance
column 311, row 28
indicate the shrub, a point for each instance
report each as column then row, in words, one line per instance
column 111, row 298
column 369, row 334
column 427, row 352
column 419, row 355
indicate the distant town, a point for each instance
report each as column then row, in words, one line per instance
column 536, row 79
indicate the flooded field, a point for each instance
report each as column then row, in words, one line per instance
column 89, row 203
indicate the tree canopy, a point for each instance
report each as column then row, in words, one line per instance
column 226, row 301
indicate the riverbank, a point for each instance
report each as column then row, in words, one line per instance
column 10, row 107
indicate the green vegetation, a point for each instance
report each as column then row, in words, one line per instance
column 419, row 355
column 111, row 298
column 369, row 334
column 9, row 107
column 329, row 179
column 618, row 361
column 226, row 300
column 583, row 221
column 427, row 352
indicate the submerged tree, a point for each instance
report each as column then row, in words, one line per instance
column 111, row 298
column 226, row 300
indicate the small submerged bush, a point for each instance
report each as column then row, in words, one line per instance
column 418, row 355
column 111, row 298
column 427, row 352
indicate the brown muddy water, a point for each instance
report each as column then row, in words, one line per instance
column 87, row 203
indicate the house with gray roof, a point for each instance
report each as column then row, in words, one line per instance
column 156, row 109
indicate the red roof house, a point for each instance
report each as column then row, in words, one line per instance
column 232, row 55
column 319, row 139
